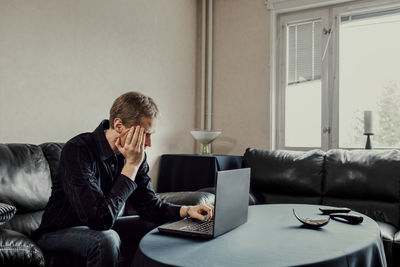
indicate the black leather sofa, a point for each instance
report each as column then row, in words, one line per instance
column 367, row 181
column 26, row 173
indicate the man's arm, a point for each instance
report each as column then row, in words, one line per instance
column 150, row 207
column 94, row 209
column 145, row 201
column 78, row 176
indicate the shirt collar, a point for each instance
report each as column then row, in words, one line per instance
column 103, row 146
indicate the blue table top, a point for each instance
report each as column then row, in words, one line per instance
column 272, row 237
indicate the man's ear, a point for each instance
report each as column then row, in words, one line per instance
column 118, row 126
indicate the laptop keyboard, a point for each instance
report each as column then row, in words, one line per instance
column 204, row 227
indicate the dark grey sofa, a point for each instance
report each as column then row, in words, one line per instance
column 26, row 173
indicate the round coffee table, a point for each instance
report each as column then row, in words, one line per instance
column 271, row 237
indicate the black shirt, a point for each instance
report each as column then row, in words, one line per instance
column 90, row 190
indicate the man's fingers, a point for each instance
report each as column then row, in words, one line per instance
column 135, row 136
column 202, row 212
column 205, row 212
column 211, row 210
column 195, row 213
column 198, row 216
column 140, row 139
column 143, row 142
column 205, row 209
column 129, row 137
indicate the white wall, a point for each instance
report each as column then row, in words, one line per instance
column 62, row 63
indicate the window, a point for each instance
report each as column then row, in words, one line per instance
column 301, row 70
column 369, row 71
column 303, row 81
column 333, row 64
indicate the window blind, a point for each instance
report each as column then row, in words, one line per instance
column 369, row 15
column 304, row 51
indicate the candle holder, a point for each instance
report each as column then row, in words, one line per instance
column 368, row 144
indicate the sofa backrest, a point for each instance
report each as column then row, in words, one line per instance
column 285, row 176
column 367, row 181
column 52, row 152
column 25, row 182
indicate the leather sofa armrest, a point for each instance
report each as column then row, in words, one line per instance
column 252, row 198
column 16, row 249
column 188, row 198
column 388, row 234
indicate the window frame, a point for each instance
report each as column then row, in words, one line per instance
column 281, row 78
column 329, row 70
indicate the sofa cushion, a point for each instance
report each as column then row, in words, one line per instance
column 25, row 223
column 388, row 231
column 18, row 250
column 360, row 174
column 6, row 212
column 282, row 172
column 25, row 177
column 271, row 198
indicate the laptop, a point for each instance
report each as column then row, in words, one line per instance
column 230, row 209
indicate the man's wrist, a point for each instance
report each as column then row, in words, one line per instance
column 184, row 211
column 187, row 212
column 130, row 170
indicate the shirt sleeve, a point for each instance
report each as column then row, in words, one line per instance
column 93, row 208
column 147, row 204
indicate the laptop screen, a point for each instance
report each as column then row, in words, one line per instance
column 232, row 198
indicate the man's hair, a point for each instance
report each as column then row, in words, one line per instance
column 131, row 107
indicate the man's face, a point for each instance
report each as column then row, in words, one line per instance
column 149, row 125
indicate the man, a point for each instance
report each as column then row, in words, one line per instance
column 100, row 174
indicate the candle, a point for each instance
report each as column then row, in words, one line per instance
column 368, row 121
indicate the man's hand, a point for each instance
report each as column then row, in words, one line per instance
column 202, row 212
column 133, row 150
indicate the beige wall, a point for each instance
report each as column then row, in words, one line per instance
column 240, row 82
column 63, row 62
